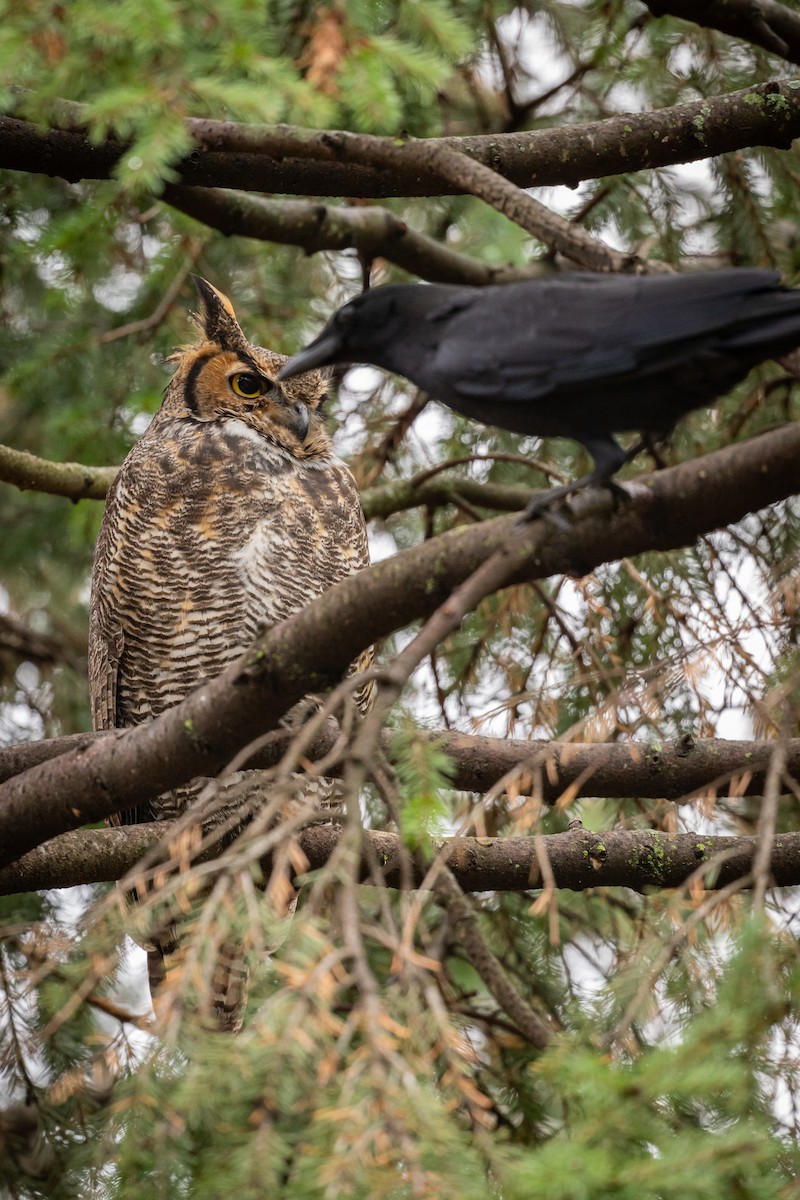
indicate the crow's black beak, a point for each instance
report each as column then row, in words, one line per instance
column 323, row 350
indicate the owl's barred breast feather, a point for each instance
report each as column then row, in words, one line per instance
column 210, row 547
column 229, row 515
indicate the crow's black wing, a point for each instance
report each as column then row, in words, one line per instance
column 521, row 341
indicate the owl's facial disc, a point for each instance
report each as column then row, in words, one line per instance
column 216, row 383
column 261, row 401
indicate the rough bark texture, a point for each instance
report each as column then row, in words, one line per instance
column 675, row 770
column 291, row 160
column 579, row 859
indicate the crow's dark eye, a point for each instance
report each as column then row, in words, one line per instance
column 247, row 385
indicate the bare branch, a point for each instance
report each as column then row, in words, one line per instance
column 82, row 856
column 763, row 22
column 579, row 859
column 19, row 639
column 767, row 821
column 679, row 770
column 464, row 917
column 370, row 230
column 458, row 170
column 303, row 162
column 16, row 759
column 159, row 314
column 73, row 480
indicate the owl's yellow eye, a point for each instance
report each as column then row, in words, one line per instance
column 247, row 385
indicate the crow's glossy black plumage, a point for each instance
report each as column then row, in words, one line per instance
column 577, row 355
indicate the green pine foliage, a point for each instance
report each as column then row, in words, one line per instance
column 423, row 774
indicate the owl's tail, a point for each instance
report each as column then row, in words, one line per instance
column 228, row 992
column 225, row 999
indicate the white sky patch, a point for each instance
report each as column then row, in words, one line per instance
column 52, row 268
column 139, row 423
column 381, row 545
column 19, row 723
column 589, row 962
column 530, row 38
column 119, row 292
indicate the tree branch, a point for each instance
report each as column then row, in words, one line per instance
column 372, row 231
column 439, row 491
column 307, row 162
column 73, row 480
column 462, row 172
column 199, row 735
column 464, row 917
column 579, row 859
column 765, row 23
column 677, row 770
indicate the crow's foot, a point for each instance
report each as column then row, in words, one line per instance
column 542, row 505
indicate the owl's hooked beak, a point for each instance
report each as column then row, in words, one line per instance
column 323, row 350
column 298, row 419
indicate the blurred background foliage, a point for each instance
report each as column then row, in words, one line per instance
column 695, row 1094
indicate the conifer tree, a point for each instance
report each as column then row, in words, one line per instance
column 549, row 948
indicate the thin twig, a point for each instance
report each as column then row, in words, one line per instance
column 530, row 1024
column 766, row 824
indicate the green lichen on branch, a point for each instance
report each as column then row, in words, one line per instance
column 73, row 480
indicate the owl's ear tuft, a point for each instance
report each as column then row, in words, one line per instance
column 216, row 318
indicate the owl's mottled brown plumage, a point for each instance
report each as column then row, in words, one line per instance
column 231, row 513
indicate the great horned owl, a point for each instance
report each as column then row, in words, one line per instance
column 231, row 512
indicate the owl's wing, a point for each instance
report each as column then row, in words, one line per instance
column 104, row 655
column 355, row 545
column 105, row 649
column 106, row 642
column 105, row 639
column 364, row 695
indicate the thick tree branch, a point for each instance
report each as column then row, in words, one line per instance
column 677, row 770
column 16, row 759
column 306, row 162
column 765, row 23
column 579, row 859
column 73, row 480
column 638, row 859
column 371, row 230
column 458, row 170
column 200, row 734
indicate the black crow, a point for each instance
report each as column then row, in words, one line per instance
column 575, row 355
